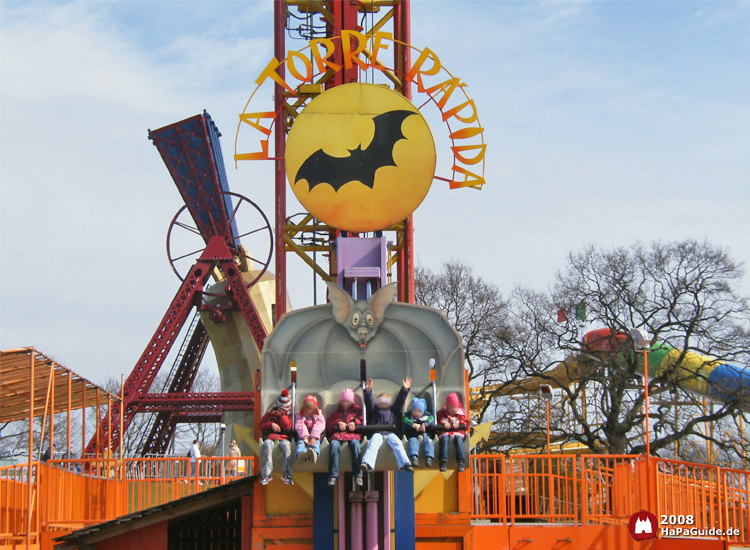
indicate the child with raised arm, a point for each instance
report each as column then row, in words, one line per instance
column 275, row 425
column 450, row 417
column 415, row 424
column 381, row 411
column 340, row 429
column 310, row 425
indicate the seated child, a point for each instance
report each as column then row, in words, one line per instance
column 382, row 412
column 310, row 424
column 450, row 416
column 340, row 429
column 415, row 424
column 277, row 424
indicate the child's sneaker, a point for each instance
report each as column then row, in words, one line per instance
column 358, row 481
column 264, row 480
column 365, row 467
column 461, row 467
column 443, row 466
column 407, row 468
column 288, row 480
column 415, row 461
column 332, row 481
column 428, row 462
column 302, row 458
column 312, row 456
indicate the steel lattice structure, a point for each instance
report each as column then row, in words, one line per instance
column 337, row 17
column 190, row 149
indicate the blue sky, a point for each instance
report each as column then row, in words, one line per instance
column 608, row 122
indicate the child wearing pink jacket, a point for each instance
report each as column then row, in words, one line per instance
column 310, row 425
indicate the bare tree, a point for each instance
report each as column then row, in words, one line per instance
column 14, row 436
column 207, row 380
column 683, row 293
column 475, row 308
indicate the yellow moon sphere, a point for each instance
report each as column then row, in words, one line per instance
column 360, row 157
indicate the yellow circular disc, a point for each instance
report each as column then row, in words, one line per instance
column 360, row 157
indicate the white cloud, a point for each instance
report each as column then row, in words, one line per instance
column 86, row 200
column 63, row 50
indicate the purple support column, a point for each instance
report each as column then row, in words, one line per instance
column 355, row 516
column 371, row 524
column 361, row 262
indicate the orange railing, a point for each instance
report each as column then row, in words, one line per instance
column 612, row 488
column 693, row 491
column 607, row 489
column 562, row 489
column 525, row 488
column 735, row 502
column 71, row 494
column 15, row 520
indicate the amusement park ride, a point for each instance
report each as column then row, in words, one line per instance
column 192, row 153
column 360, row 158
column 335, row 227
column 350, row 140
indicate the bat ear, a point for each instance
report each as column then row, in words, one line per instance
column 381, row 300
column 341, row 302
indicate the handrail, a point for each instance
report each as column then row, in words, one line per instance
column 74, row 493
column 607, row 489
column 557, row 489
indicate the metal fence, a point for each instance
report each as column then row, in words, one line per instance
column 607, row 489
column 71, row 494
column 518, row 489
column 15, row 502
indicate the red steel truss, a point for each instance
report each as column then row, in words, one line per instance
column 193, row 402
column 217, row 254
column 339, row 15
column 162, row 429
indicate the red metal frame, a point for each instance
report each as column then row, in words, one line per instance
column 279, row 25
column 162, row 430
column 193, row 402
column 345, row 17
column 194, row 418
column 402, row 61
column 216, row 254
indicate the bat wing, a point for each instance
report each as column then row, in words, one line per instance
column 360, row 165
column 387, row 132
column 320, row 167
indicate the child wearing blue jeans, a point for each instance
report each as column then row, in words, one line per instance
column 416, row 422
column 380, row 411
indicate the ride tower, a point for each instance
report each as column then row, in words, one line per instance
column 304, row 234
column 359, row 157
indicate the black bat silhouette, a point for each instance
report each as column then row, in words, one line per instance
column 360, row 165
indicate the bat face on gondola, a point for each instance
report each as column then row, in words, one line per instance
column 361, row 319
column 360, row 157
